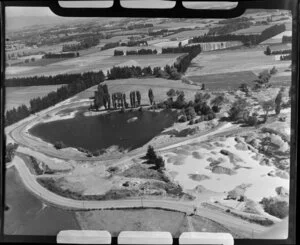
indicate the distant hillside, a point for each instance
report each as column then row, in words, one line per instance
column 21, row 22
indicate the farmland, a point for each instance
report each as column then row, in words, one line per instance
column 218, row 62
column 101, row 60
column 16, row 96
column 180, row 148
column 225, row 81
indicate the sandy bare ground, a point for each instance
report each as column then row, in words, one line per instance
column 184, row 206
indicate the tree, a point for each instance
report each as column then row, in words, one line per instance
column 171, row 93
column 150, row 155
column 273, row 70
column 268, row 51
column 278, row 101
column 267, row 106
column 237, row 109
column 217, row 102
column 138, row 98
column 151, row 96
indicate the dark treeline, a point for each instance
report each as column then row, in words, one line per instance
column 40, row 81
column 133, row 43
column 139, row 26
column 118, row 52
column 184, row 61
column 110, row 45
column 235, row 20
column 84, row 44
column 180, row 49
column 286, row 57
column 286, row 39
column 284, row 51
column 245, row 39
column 169, row 72
column 141, row 52
column 60, row 55
column 79, row 83
column 166, row 32
column 234, row 26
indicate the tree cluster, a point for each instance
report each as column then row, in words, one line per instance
column 82, row 82
column 230, row 27
column 135, row 98
column 141, row 52
column 268, row 51
column 42, row 80
column 10, row 152
column 245, row 39
column 102, row 97
column 133, row 43
column 152, row 158
column 287, row 39
column 119, row 100
column 275, row 207
column 110, row 45
column 139, row 26
column 184, row 61
column 60, row 55
column 84, row 44
column 286, row 57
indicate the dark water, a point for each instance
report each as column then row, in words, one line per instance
column 28, row 216
column 103, row 131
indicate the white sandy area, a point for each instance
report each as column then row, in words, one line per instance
column 262, row 185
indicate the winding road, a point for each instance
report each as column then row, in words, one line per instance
column 18, row 134
column 47, row 196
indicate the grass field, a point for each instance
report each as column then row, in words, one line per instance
column 91, row 61
column 225, row 81
column 16, row 96
column 116, row 221
column 224, row 61
column 188, row 34
column 252, row 30
column 42, row 62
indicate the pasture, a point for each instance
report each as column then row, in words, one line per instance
column 188, row 34
column 252, row 30
column 91, row 61
column 243, row 59
column 16, row 96
column 225, row 81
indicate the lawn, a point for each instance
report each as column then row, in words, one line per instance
column 16, row 96
column 225, row 81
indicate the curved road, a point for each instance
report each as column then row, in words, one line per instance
column 30, row 182
column 16, row 132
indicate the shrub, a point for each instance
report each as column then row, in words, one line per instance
column 191, row 122
column 59, row 145
column 275, row 207
column 10, row 152
column 182, row 118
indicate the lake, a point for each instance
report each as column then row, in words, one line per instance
column 128, row 130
